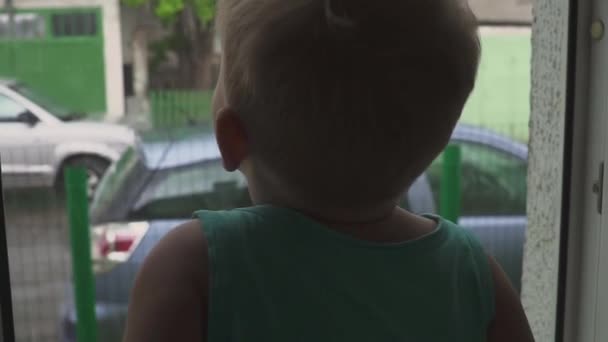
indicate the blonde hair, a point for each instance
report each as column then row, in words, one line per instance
column 346, row 102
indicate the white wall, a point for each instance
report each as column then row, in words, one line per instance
column 549, row 65
column 115, row 101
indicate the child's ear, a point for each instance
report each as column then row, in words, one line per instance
column 231, row 138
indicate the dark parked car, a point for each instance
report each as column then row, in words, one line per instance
column 142, row 197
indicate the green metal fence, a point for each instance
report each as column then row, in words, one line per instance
column 180, row 108
column 449, row 197
column 80, row 242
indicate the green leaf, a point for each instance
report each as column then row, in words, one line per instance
column 134, row 3
column 205, row 9
column 168, row 9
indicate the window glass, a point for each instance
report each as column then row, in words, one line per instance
column 10, row 110
column 185, row 190
column 26, row 25
column 114, row 179
column 502, row 11
column 74, row 24
column 49, row 105
column 492, row 181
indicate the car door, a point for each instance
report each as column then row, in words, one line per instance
column 24, row 163
column 493, row 201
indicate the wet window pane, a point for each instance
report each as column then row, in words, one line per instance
column 493, row 182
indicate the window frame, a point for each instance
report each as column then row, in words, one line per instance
column 66, row 14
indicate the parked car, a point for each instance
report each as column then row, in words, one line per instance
column 143, row 198
column 38, row 139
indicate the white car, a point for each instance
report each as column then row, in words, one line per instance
column 39, row 139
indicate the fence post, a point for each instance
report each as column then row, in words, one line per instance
column 80, row 240
column 450, row 196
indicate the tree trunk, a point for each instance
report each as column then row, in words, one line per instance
column 196, row 58
column 140, row 67
column 204, row 63
column 139, row 113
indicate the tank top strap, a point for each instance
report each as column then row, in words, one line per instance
column 221, row 230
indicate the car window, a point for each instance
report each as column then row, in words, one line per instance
column 493, row 182
column 187, row 189
column 418, row 198
column 40, row 100
column 115, row 177
column 203, row 186
column 119, row 187
column 10, row 109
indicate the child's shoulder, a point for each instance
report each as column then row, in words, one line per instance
column 183, row 251
column 461, row 240
column 461, row 234
column 170, row 288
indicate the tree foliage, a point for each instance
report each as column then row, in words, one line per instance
column 191, row 38
column 168, row 10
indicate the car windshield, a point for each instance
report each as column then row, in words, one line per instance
column 176, row 193
column 44, row 102
column 133, row 190
column 118, row 187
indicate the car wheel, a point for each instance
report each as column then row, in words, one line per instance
column 95, row 168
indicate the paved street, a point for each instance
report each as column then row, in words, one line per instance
column 39, row 251
column 40, row 262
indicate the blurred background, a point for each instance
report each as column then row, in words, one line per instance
column 122, row 89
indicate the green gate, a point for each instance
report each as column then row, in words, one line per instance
column 59, row 53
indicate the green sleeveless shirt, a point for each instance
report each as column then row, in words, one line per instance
column 277, row 275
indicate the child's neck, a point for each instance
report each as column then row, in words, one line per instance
column 391, row 225
column 398, row 226
column 385, row 222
